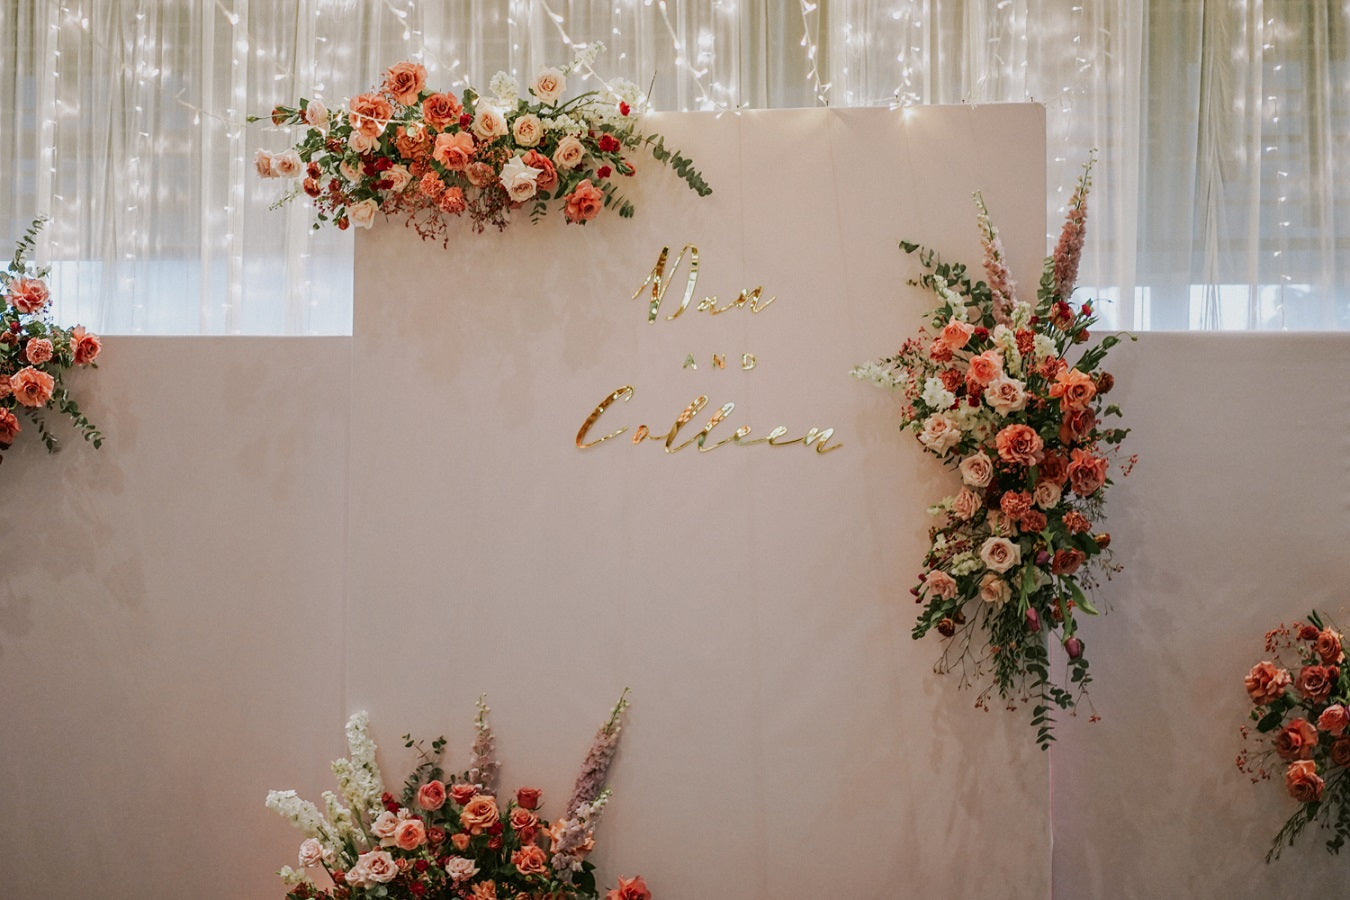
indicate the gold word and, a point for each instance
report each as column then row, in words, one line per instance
column 820, row 437
column 658, row 280
column 719, row 361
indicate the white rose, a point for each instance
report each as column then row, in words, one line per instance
column 1000, row 554
column 1046, row 494
column 460, row 869
column 549, row 85
column 977, row 470
column 569, row 153
column 362, row 215
column 489, row 123
column 316, row 115
column 375, row 867
column 288, row 164
column 311, row 853
column 527, row 130
column 940, row 433
column 361, row 142
column 994, row 589
column 519, row 179
column 1006, row 395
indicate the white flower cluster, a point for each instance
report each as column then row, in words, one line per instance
column 505, row 90
column 358, row 775
column 880, row 375
column 303, row 814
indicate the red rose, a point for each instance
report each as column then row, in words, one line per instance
column 528, row 797
column 1297, row 740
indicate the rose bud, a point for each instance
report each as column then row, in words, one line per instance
column 1105, row 381
column 959, row 617
column 343, row 224
column 1042, row 557
column 1103, row 540
column 1308, row 633
column 278, row 116
column 1033, row 621
column 528, row 797
column 1074, row 647
column 946, row 628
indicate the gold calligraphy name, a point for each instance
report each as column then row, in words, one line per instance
column 659, row 281
column 820, row 437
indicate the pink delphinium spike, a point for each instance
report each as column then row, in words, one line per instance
column 1001, row 284
column 591, row 779
column 1069, row 250
column 483, row 769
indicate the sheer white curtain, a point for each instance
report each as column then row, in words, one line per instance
column 1221, row 128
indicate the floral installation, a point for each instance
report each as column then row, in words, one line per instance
column 450, row 836
column 1010, row 395
column 1302, row 729
column 35, row 353
column 432, row 156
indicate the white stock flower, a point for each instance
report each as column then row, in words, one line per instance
column 1043, row 347
column 1021, row 314
column 303, row 814
column 505, row 89
column 936, row 395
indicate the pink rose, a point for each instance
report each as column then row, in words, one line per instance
column 1316, row 682
column 28, row 295
column 1333, row 720
column 38, row 351
column 311, row 853
column 1087, row 473
column 288, row 164
column 940, row 585
column 32, row 387
column 404, row 81
column 994, row 589
column 1266, row 683
column 375, row 867
column 85, row 345
column 584, row 202
column 966, row 504
column 940, row 433
column 384, row 826
column 431, row 796
column 630, row 889
column 977, row 470
column 262, row 164
column 1006, row 395
column 985, row 367
column 1297, row 740
column 9, row 427
column 530, row 860
column 410, row 834
column 1019, row 444
column 316, row 115
column 1302, row 781
column 460, row 869
column 1000, row 554
column 454, row 151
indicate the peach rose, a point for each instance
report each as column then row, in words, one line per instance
column 994, row 589
column 38, row 351
column 431, row 796
column 1297, row 740
column 1316, row 682
column 489, row 123
column 940, row 585
column 410, row 834
column 966, row 504
column 1019, row 444
column 460, row 841
column 454, row 151
column 484, row 890
column 262, row 164
column 528, row 797
column 32, row 387
column 1333, row 720
column 1046, row 494
column 956, row 334
column 1006, row 395
column 463, row 793
column 480, row 174
column 28, row 295
column 940, row 433
column 361, row 143
column 398, row 177
column 440, row 111
column 1087, row 473
column 1074, row 389
column 311, row 853
column 288, row 164
column 985, row 367
column 584, row 202
column 85, row 345
column 548, row 175
column 1000, row 554
column 630, row 889
column 460, row 869
column 530, row 860
column 316, row 115
column 1302, row 781
column 1266, row 683
column 362, row 214
column 479, row 814
column 375, row 867
column 1340, row 751
column 404, row 81
column 977, row 470
column 527, row 130
column 1328, row 646
column 9, row 428
column 548, row 85
column 384, row 826
column 350, row 171
column 369, row 114
column 452, row 201
column 569, row 153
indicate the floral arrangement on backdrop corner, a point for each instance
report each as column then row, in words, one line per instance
column 451, row 836
column 432, row 157
column 35, row 353
column 1301, row 726
column 1009, row 393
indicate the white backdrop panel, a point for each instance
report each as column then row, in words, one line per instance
column 788, row 738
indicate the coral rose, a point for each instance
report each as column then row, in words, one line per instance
column 1266, row 683
column 977, row 470
column 530, row 860
column 452, row 201
column 1302, row 781
column 985, row 367
column 1077, row 425
column 479, row 814
column 440, row 111
column 454, row 151
column 9, row 428
column 1333, row 720
column 431, row 796
column 1297, row 740
column 463, row 793
column 548, row 175
column 1000, row 554
column 584, row 203
column 410, row 834
column 1074, row 389
column 32, row 387
column 404, row 82
column 1053, row 468
column 38, row 351
column 369, row 114
column 1328, row 646
column 1087, row 473
column 28, row 295
column 630, row 889
column 1316, row 682
column 956, row 334
column 1019, row 444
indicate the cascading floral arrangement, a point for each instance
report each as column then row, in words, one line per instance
column 1303, row 726
column 450, row 836
column 432, row 157
column 35, row 353
column 1010, row 394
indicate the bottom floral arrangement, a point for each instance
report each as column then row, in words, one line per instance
column 450, row 836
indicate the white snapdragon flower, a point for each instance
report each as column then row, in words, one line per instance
column 1021, row 314
column 936, row 395
column 879, row 375
column 302, row 814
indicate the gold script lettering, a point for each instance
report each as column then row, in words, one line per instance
column 658, row 280
column 625, row 394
